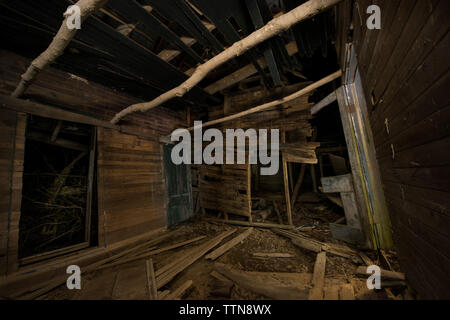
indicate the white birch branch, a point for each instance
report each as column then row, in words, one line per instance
column 57, row 46
column 274, row 27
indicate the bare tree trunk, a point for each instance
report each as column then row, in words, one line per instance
column 57, row 46
column 274, row 27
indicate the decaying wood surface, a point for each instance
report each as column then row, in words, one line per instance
column 151, row 282
column 318, row 280
column 275, row 285
column 274, row 103
column 57, row 46
column 39, row 290
column 385, row 274
column 178, row 293
column 311, row 244
column 168, row 272
column 229, row 245
column 274, row 27
column 149, row 253
column 251, row 224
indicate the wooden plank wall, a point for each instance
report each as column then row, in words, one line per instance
column 405, row 71
column 131, row 186
column 12, row 146
column 58, row 88
column 226, row 188
column 132, row 161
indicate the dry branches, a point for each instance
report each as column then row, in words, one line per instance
column 274, row 27
column 57, row 46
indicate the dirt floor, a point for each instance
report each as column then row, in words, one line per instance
column 129, row 281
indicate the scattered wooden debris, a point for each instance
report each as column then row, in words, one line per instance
column 151, row 282
column 227, row 246
column 39, row 290
column 385, row 274
column 252, row 224
column 280, row 286
column 367, row 261
column 150, row 253
column 272, row 255
column 220, row 286
column 178, row 293
column 318, row 280
column 163, row 294
column 317, row 246
column 168, row 272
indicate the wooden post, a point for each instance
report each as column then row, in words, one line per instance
column 286, row 183
column 298, row 184
column 318, row 281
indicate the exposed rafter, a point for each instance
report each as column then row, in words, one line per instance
column 274, row 27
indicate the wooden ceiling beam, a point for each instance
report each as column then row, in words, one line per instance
column 244, row 72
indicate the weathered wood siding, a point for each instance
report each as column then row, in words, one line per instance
column 12, row 146
column 226, row 188
column 131, row 186
column 405, row 71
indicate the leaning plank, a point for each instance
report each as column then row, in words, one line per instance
column 332, row 97
column 58, row 45
column 151, row 282
column 274, row 27
column 338, row 184
column 39, row 290
column 229, row 245
column 318, row 279
column 385, row 274
column 287, row 191
column 272, row 104
column 151, row 253
column 252, row 224
column 177, row 293
column 318, row 246
column 280, row 286
column 366, row 260
column 171, row 270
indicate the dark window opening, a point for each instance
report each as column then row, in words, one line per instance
column 58, row 213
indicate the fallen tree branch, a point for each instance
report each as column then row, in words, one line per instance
column 57, row 46
column 274, row 27
column 275, row 103
column 265, row 106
